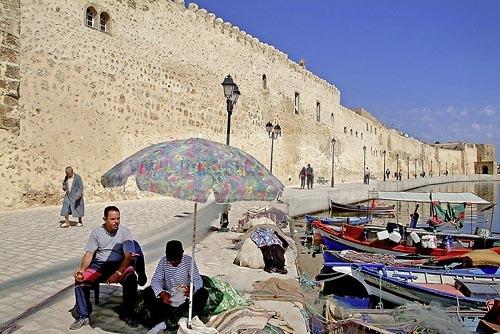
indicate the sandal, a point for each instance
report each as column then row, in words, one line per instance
column 64, row 225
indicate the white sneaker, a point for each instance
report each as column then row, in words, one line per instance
column 158, row 328
column 79, row 225
column 79, row 323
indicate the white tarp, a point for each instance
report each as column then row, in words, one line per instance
column 426, row 197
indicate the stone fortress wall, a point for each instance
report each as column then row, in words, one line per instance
column 89, row 98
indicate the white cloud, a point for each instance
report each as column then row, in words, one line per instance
column 450, row 109
column 476, row 126
column 489, row 111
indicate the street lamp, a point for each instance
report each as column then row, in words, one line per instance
column 439, row 168
column 333, row 157
column 431, row 169
column 415, row 168
column 274, row 133
column 383, row 172
column 408, row 167
column 446, row 170
column 364, row 163
column 397, row 166
column 231, row 92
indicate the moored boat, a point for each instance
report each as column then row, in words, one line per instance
column 468, row 288
column 360, row 208
column 339, row 220
column 368, row 239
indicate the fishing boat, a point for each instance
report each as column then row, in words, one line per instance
column 350, row 256
column 360, row 208
column 467, row 288
column 339, row 220
column 376, row 239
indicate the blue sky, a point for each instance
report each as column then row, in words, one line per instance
column 429, row 68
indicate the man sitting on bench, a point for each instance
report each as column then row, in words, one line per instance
column 107, row 258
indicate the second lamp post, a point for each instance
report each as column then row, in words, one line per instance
column 274, row 133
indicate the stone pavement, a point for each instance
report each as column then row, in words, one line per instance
column 39, row 258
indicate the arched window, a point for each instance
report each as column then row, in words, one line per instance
column 375, row 130
column 345, row 129
column 351, row 132
column 90, row 17
column 264, row 82
column 356, row 134
column 361, row 135
column 104, row 22
column 366, row 126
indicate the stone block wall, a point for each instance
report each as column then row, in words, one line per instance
column 90, row 98
column 9, row 66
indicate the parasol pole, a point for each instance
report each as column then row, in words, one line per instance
column 191, row 283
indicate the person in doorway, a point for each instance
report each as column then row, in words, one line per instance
column 309, row 176
column 73, row 198
column 108, row 258
column 302, row 177
column 168, row 295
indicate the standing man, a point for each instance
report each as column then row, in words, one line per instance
column 167, row 297
column 387, row 173
column 302, row 177
column 367, row 176
column 107, row 258
column 309, row 176
column 73, row 199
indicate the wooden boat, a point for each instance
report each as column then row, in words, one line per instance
column 351, row 256
column 339, row 220
column 364, row 239
column 359, row 208
column 466, row 288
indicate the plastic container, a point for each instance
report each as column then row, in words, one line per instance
column 414, row 237
column 395, row 236
column 382, row 235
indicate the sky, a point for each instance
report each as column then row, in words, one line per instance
column 428, row 68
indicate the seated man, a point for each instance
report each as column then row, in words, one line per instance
column 169, row 291
column 108, row 256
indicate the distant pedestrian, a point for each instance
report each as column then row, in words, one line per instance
column 400, row 175
column 309, row 176
column 387, row 173
column 302, row 177
column 366, row 179
column 73, row 198
column 446, row 173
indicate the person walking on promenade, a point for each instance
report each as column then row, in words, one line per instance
column 400, row 175
column 302, row 177
column 73, row 198
column 387, row 173
column 167, row 297
column 366, row 179
column 107, row 258
column 309, row 176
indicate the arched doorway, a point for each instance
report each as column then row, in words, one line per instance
column 485, row 170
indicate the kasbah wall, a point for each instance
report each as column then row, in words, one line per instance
column 73, row 95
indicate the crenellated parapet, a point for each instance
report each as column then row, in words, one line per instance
column 227, row 28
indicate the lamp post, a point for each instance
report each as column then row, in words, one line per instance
column 333, row 157
column 439, row 168
column 415, row 168
column 383, row 171
column 274, row 133
column 446, row 170
column 452, row 168
column 408, row 167
column 231, row 92
column 397, row 167
column 364, row 164
column 431, row 169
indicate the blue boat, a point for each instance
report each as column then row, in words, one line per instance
column 339, row 220
column 468, row 288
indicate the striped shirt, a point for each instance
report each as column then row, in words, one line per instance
column 167, row 277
